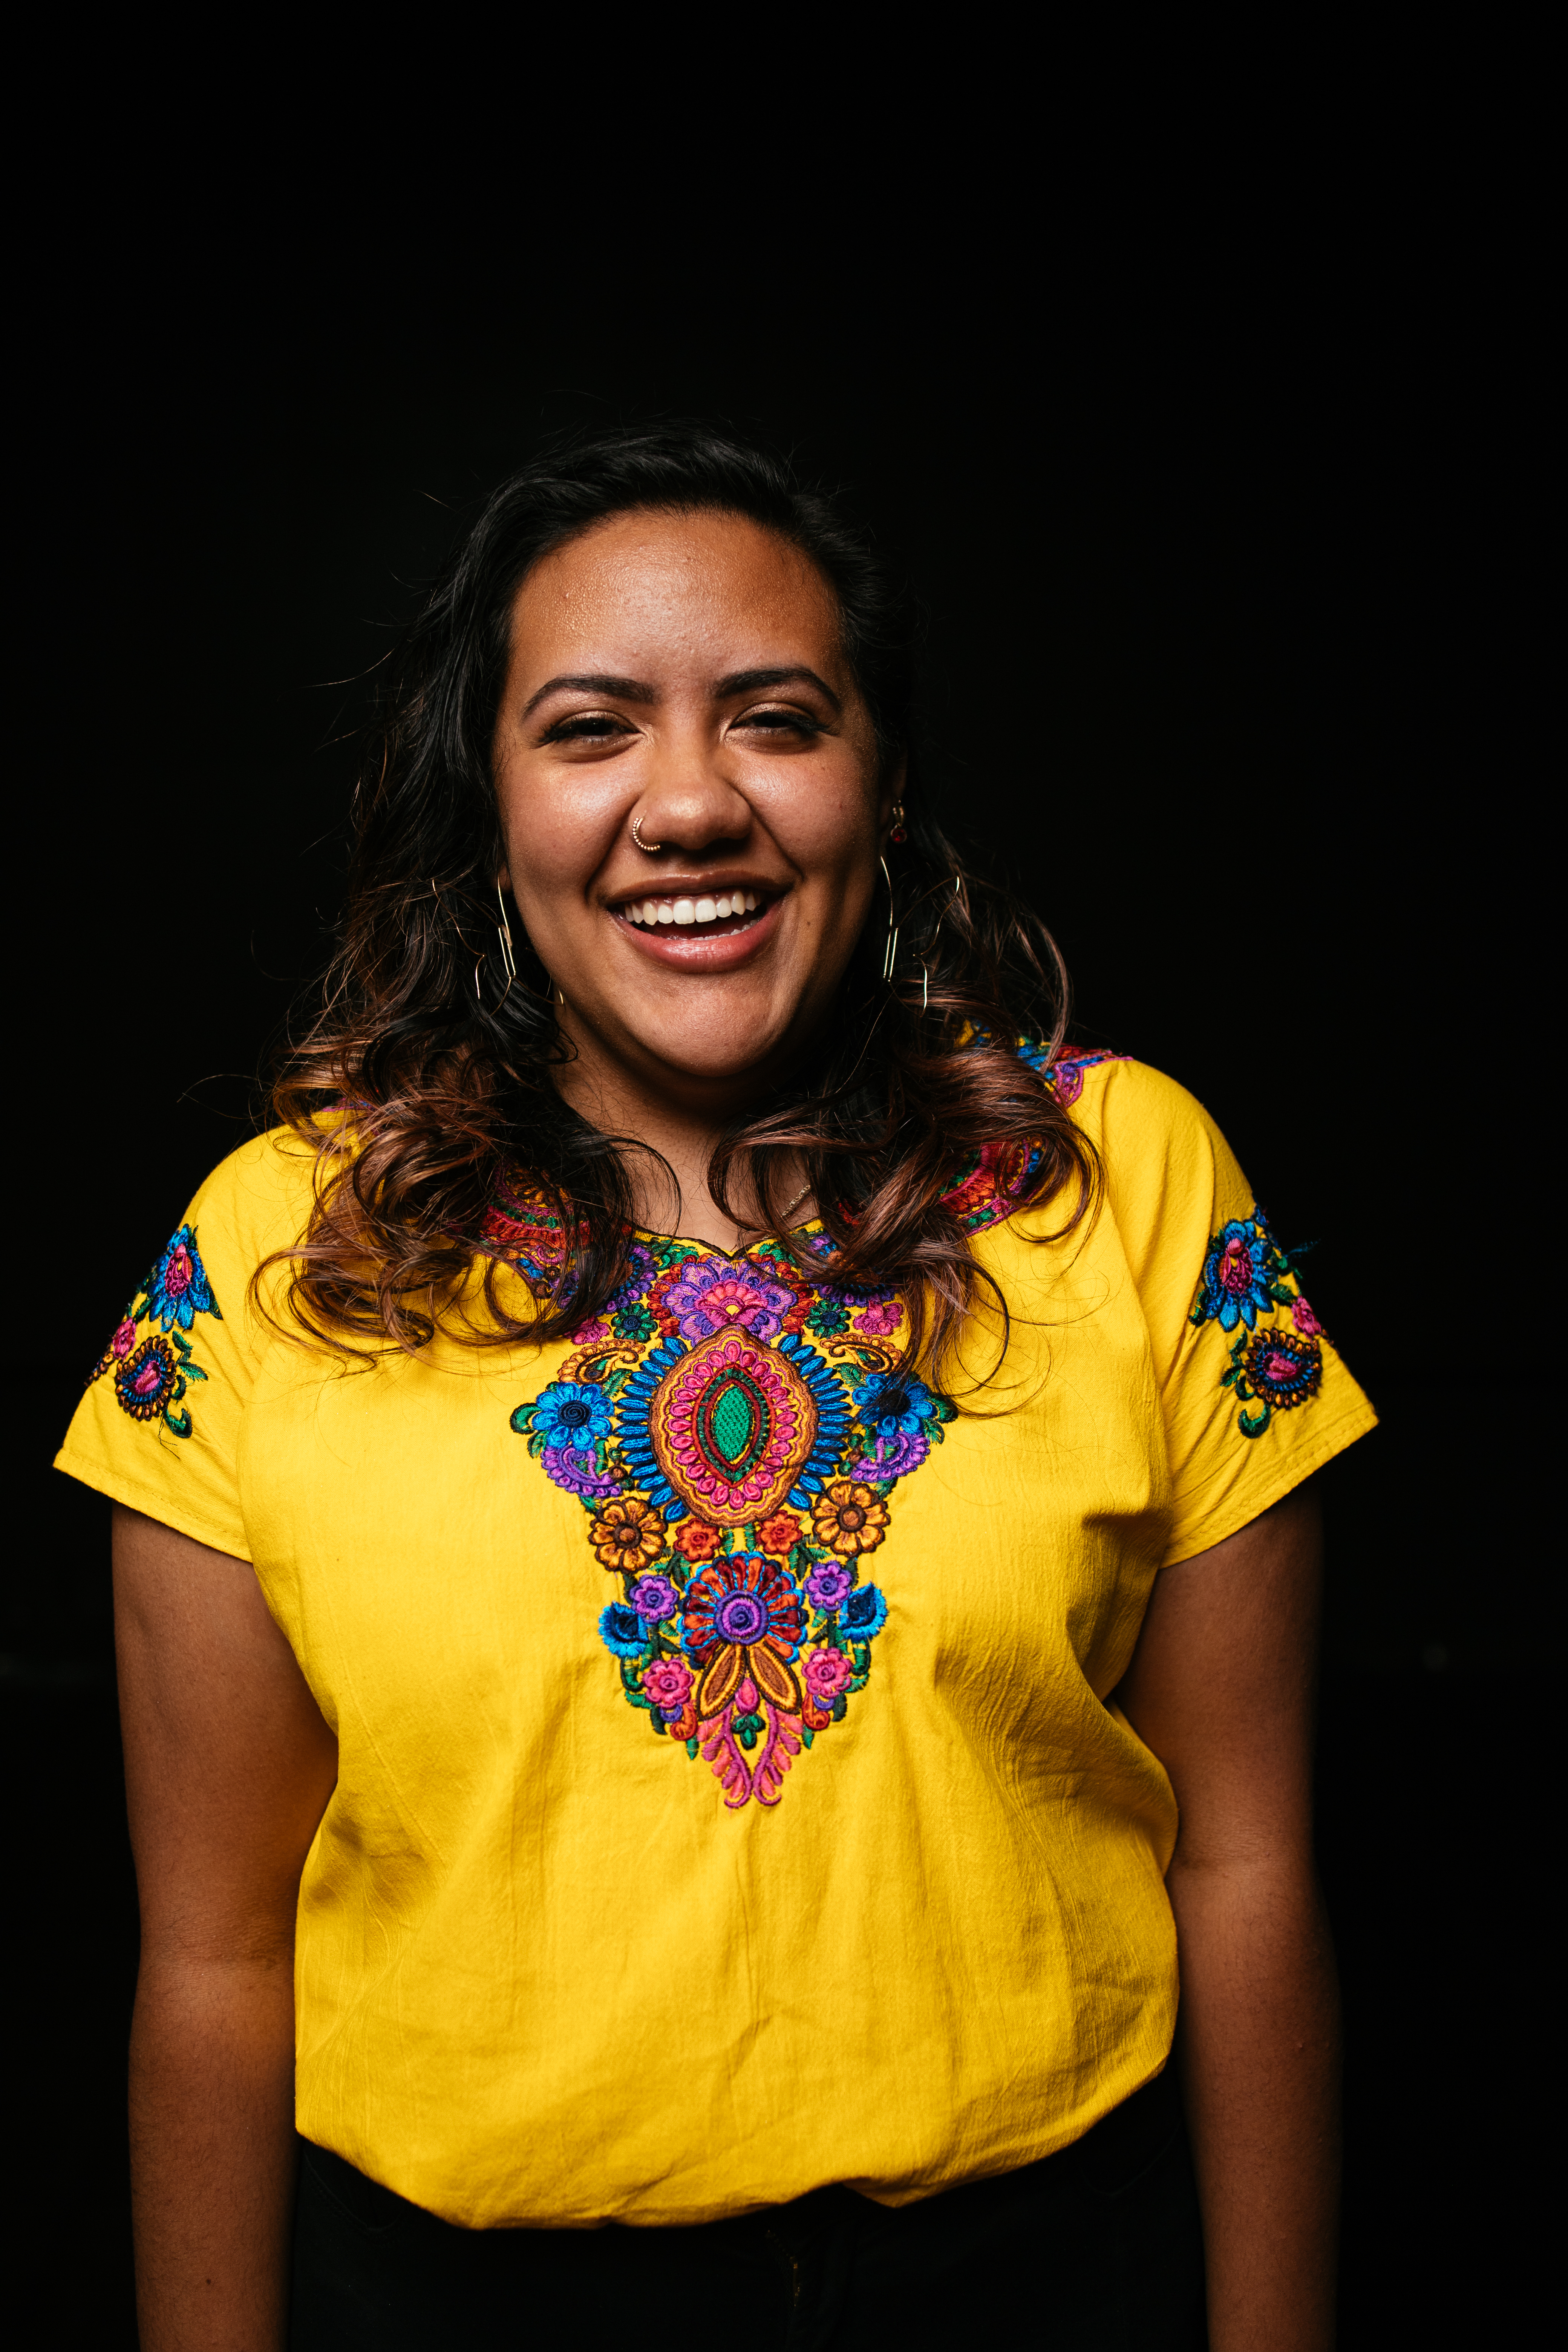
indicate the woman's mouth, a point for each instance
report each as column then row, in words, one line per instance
column 698, row 915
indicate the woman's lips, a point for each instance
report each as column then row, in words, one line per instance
column 687, row 926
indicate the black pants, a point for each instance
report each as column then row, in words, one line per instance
column 1097, row 2247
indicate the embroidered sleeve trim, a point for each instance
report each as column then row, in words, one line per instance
column 1248, row 1281
column 151, row 1378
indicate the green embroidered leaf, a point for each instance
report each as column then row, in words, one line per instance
column 806, row 1735
column 692, row 1750
column 840, row 1709
column 179, row 1423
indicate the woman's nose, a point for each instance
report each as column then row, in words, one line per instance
column 690, row 804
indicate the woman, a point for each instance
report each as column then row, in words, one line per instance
column 713, row 1573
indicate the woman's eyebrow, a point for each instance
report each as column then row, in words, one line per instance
column 752, row 681
column 630, row 690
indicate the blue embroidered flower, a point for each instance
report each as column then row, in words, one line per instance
column 177, row 1288
column 863, row 1613
column 572, row 1415
column 890, row 1408
column 1237, row 1283
column 622, row 1630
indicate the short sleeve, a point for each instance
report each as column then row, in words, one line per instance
column 1254, row 1395
column 159, row 1425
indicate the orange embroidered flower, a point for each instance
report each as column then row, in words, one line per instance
column 696, row 1540
column 627, row 1534
column 780, row 1534
column 848, row 1517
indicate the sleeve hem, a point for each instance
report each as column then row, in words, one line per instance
column 1289, row 1471
column 155, row 1502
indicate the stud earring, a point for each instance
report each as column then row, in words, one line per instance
column 899, row 833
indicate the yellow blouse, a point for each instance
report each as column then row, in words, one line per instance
column 729, row 1799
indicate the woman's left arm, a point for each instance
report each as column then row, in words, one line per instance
column 1222, row 1688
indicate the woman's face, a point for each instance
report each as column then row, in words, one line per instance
column 684, row 673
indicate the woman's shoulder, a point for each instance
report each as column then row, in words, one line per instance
column 1135, row 1114
column 1139, row 1122
column 256, row 1201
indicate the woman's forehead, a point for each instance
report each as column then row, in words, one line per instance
column 658, row 586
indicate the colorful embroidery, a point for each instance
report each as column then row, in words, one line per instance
column 734, row 1434
column 150, row 1380
column 992, row 1181
column 1246, row 1274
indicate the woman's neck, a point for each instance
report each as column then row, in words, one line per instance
column 683, row 1135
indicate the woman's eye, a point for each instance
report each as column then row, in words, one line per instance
column 585, row 727
column 779, row 722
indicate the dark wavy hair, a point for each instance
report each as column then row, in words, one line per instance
column 438, row 1081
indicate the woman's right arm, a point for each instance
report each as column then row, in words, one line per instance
column 229, row 1768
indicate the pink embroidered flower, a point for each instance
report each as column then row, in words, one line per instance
column 1304, row 1320
column 827, row 1672
column 712, row 1295
column 124, row 1339
column 668, row 1684
column 592, row 1334
column 883, row 1315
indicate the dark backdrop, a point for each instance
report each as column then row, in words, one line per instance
column 1232, row 635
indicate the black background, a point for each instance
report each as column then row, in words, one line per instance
column 1232, row 559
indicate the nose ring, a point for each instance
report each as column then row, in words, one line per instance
column 651, row 848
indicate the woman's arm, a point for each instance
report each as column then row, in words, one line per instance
column 229, row 1768
column 1222, row 1688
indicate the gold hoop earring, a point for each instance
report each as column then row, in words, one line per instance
column 648, row 848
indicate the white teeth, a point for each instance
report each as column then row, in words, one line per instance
column 691, row 910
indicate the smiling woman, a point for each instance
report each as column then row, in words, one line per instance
column 710, row 1575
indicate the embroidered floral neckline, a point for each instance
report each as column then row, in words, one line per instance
column 736, row 1431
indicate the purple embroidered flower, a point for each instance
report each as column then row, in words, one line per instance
column 177, row 1288
column 894, row 1457
column 578, row 1474
column 742, row 1599
column 655, row 1598
column 714, row 1294
column 1304, row 1320
column 830, row 1585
